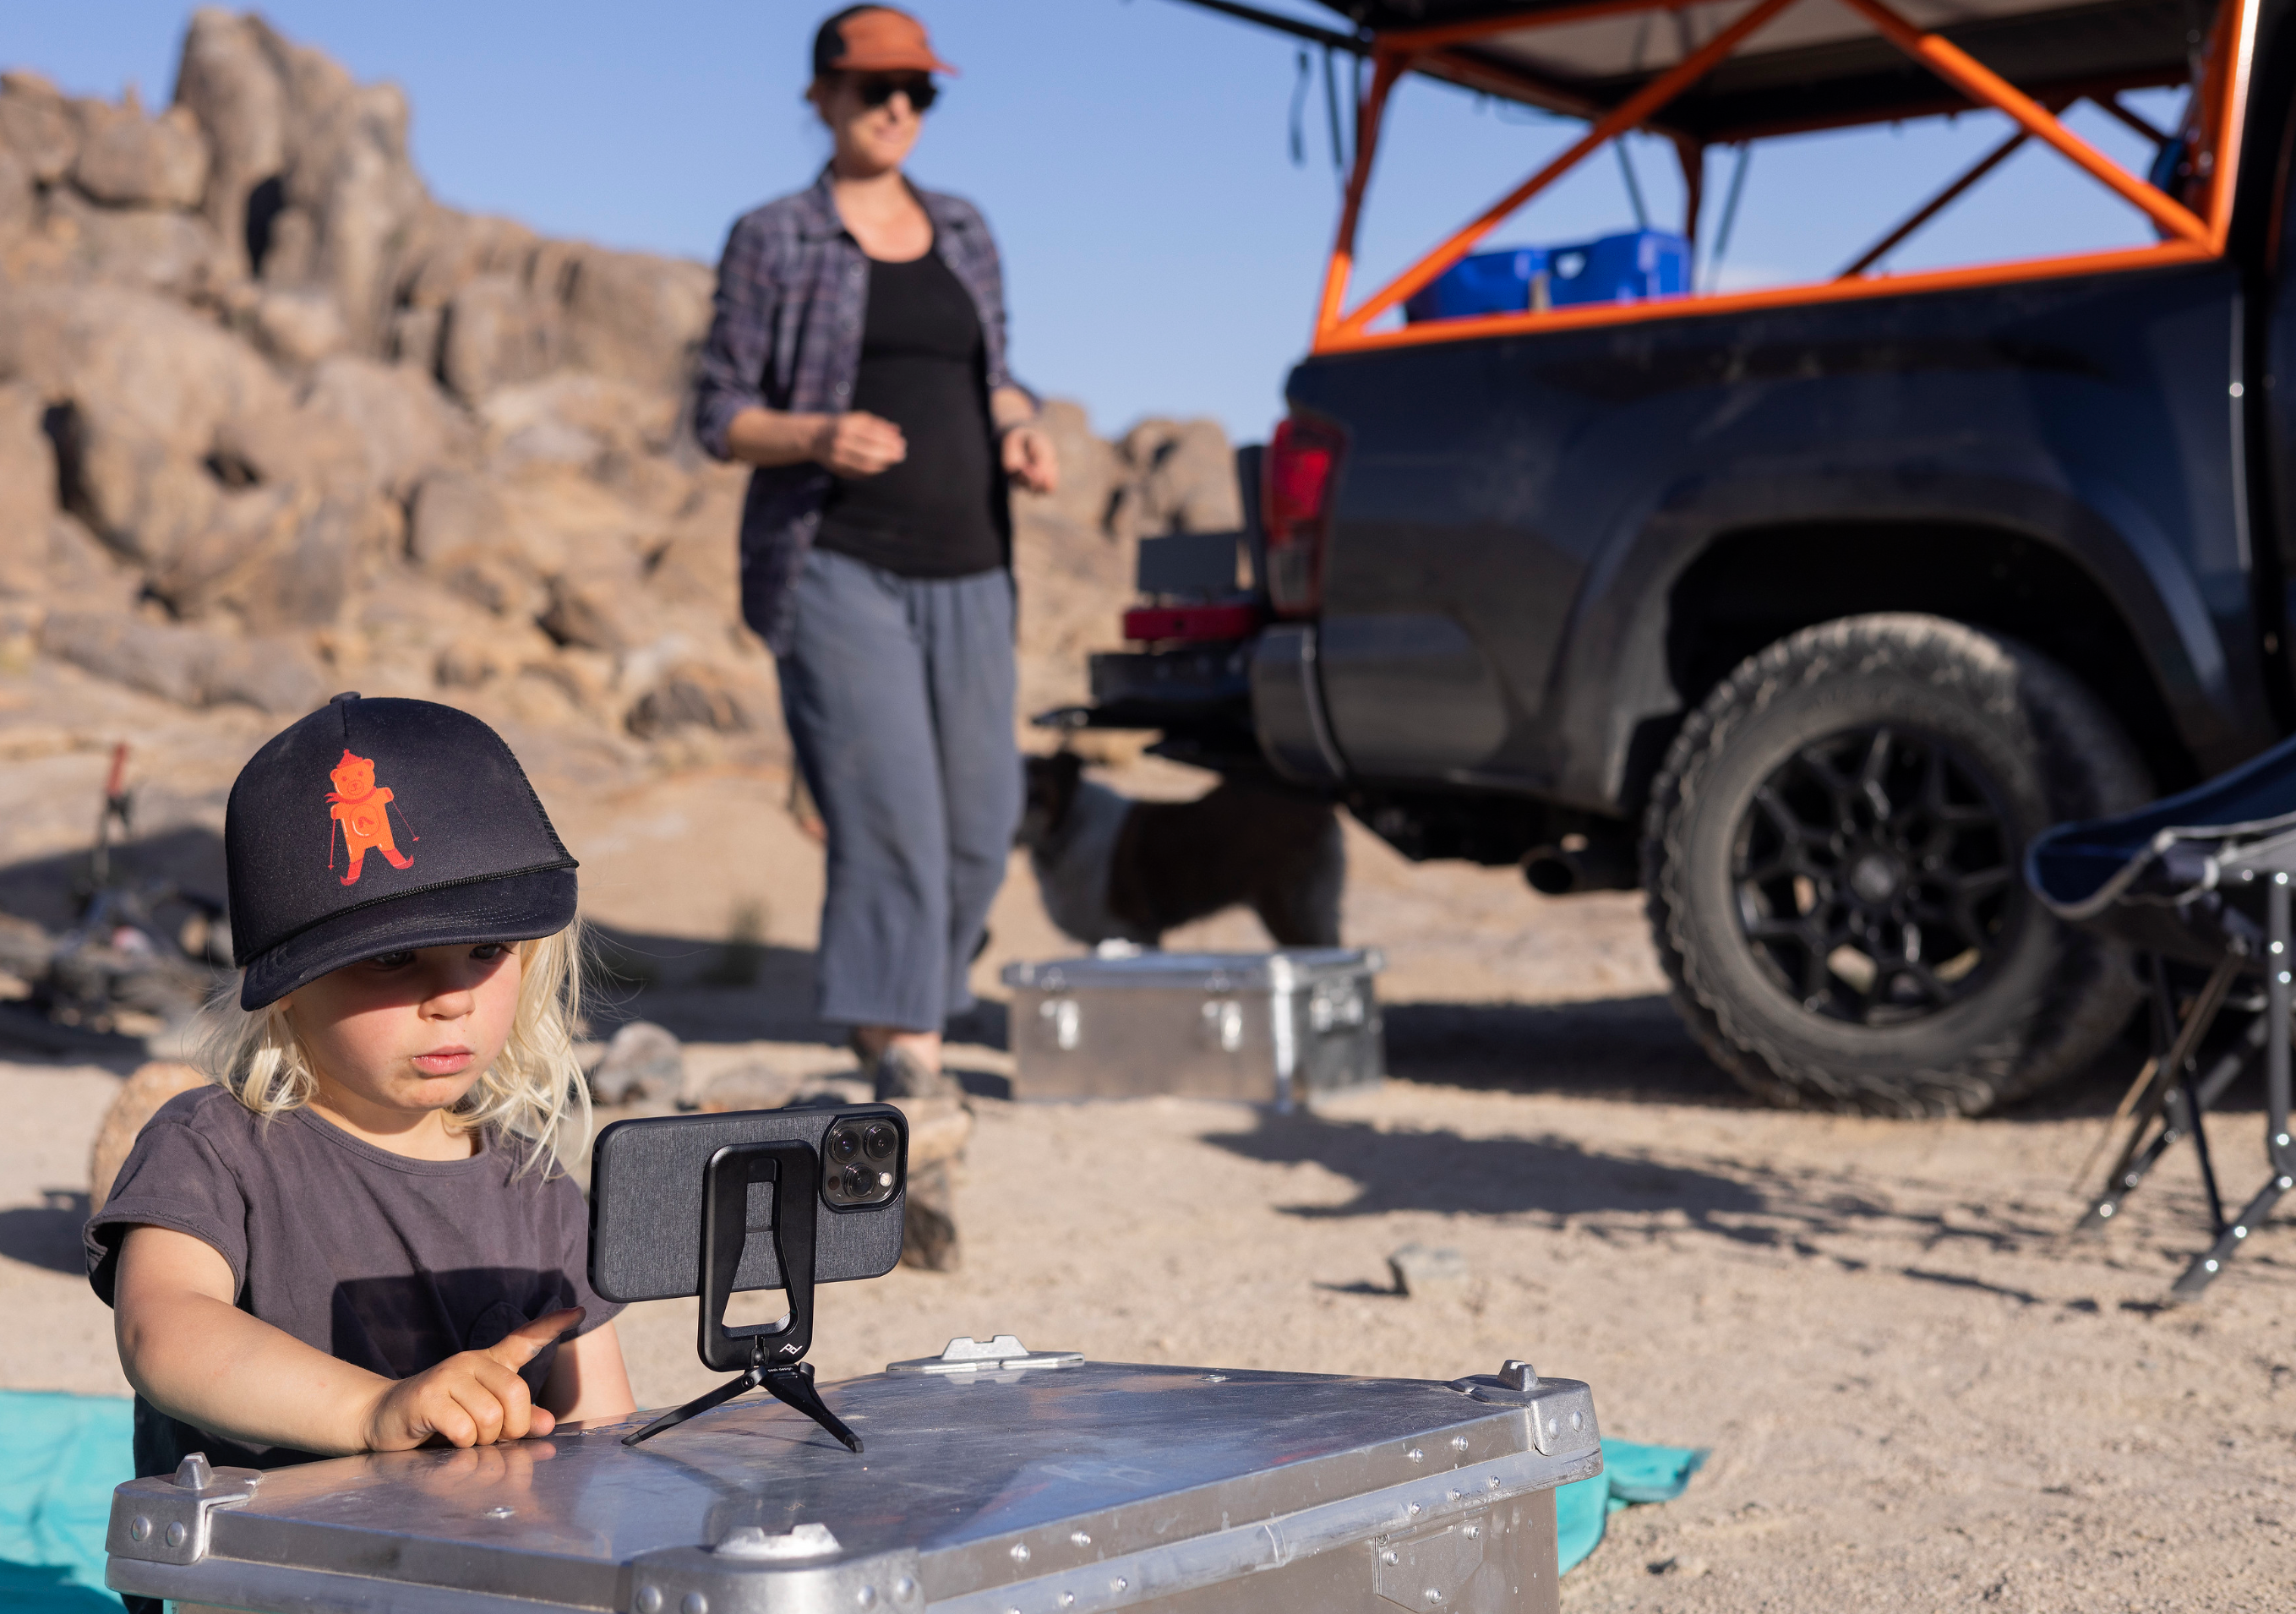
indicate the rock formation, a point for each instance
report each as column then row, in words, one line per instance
column 273, row 421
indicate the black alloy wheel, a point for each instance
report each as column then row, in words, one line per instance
column 1873, row 876
column 1833, row 860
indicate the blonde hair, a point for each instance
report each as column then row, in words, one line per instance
column 534, row 1092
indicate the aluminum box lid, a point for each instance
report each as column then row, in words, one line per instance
column 1217, row 972
column 1066, row 1486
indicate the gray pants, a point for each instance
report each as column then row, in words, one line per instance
column 898, row 693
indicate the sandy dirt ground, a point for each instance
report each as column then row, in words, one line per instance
column 1917, row 1393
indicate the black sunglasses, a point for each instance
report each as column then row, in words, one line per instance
column 876, row 90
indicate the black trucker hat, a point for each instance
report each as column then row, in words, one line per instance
column 374, row 825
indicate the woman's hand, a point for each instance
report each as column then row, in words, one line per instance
column 858, row 444
column 1029, row 459
column 474, row 1397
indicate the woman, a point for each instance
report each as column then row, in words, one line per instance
column 857, row 360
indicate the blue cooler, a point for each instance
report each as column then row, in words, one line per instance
column 1633, row 267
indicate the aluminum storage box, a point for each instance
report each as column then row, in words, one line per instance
column 1266, row 1027
column 1061, row 1488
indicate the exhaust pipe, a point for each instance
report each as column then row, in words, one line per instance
column 1577, row 863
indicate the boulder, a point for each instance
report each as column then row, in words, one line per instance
column 37, row 123
column 493, row 334
column 458, row 532
column 57, row 562
column 599, row 607
column 506, row 536
column 751, row 1086
column 139, row 1099
column 185, row 665
column 406, row 428
column 567, row 522
column 230, row 85
column 699, row 566
column 28, row 465
column 633, row 317
column 1421, row 1270
column 1181, row 478
column 1091, row 470
column 148, row 386
column 19, row 204
column 644, row 1064
column 130, row 161
column 939, row 1130
column 574, row 417
column 448, row 248
column 312, row 82
column 454, row 515
column 471, row 663
column 691, row 694
column 350, row 173
column 298, row 327
column 298, row 574
column 348, row 199
column 289, row 245
column 155, row 250
column 413, row 338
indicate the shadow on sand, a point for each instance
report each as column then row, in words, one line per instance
column 46, row 1234
column 1446, row 1172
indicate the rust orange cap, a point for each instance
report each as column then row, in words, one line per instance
column 883, row 40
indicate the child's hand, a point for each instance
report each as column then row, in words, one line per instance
column 474, row 1397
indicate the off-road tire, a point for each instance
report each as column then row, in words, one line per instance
column 2048, row 999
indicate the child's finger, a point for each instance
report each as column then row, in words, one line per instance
column 480, row 1405
column 519, row 1347
column 445, row 1416
column 510, row 1394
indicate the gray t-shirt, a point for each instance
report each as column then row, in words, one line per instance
column 390, row 1264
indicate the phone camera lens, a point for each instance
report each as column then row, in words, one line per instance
column 844, row 1143
column 881, row 1141
column 863, row 1182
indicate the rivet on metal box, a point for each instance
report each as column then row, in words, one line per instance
column 1266, row 1027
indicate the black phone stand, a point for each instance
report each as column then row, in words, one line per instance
column 770, row 1358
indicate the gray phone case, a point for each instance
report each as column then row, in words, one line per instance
column 645, row 1204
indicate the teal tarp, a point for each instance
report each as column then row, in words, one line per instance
column 1630, row 1473
column 60, row 1456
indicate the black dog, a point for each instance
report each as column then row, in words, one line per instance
column 1113, row 869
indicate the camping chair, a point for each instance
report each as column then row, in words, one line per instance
column 2199, row 881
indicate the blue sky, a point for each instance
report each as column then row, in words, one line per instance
column 1162, row 249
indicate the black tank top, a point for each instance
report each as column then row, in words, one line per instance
column 936, row 514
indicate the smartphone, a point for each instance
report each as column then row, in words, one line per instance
column 646, row 1179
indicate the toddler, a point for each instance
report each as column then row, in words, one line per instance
column 362, row 1238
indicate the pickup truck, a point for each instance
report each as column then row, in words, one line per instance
column 1804, row 610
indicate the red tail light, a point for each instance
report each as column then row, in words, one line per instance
column 1296, row 481
column 1191, row 624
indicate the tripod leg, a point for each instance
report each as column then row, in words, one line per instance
column 793, row 1386
column 701, row 1403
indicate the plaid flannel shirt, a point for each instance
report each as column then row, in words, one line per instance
column 792, row 293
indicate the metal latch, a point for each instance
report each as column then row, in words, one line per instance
column 1000, row 1355
column 751, row 1540
column 165, row 1520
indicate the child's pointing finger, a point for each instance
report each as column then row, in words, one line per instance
column 523, row 1343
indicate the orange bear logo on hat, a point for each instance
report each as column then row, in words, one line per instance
column 362, row 809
